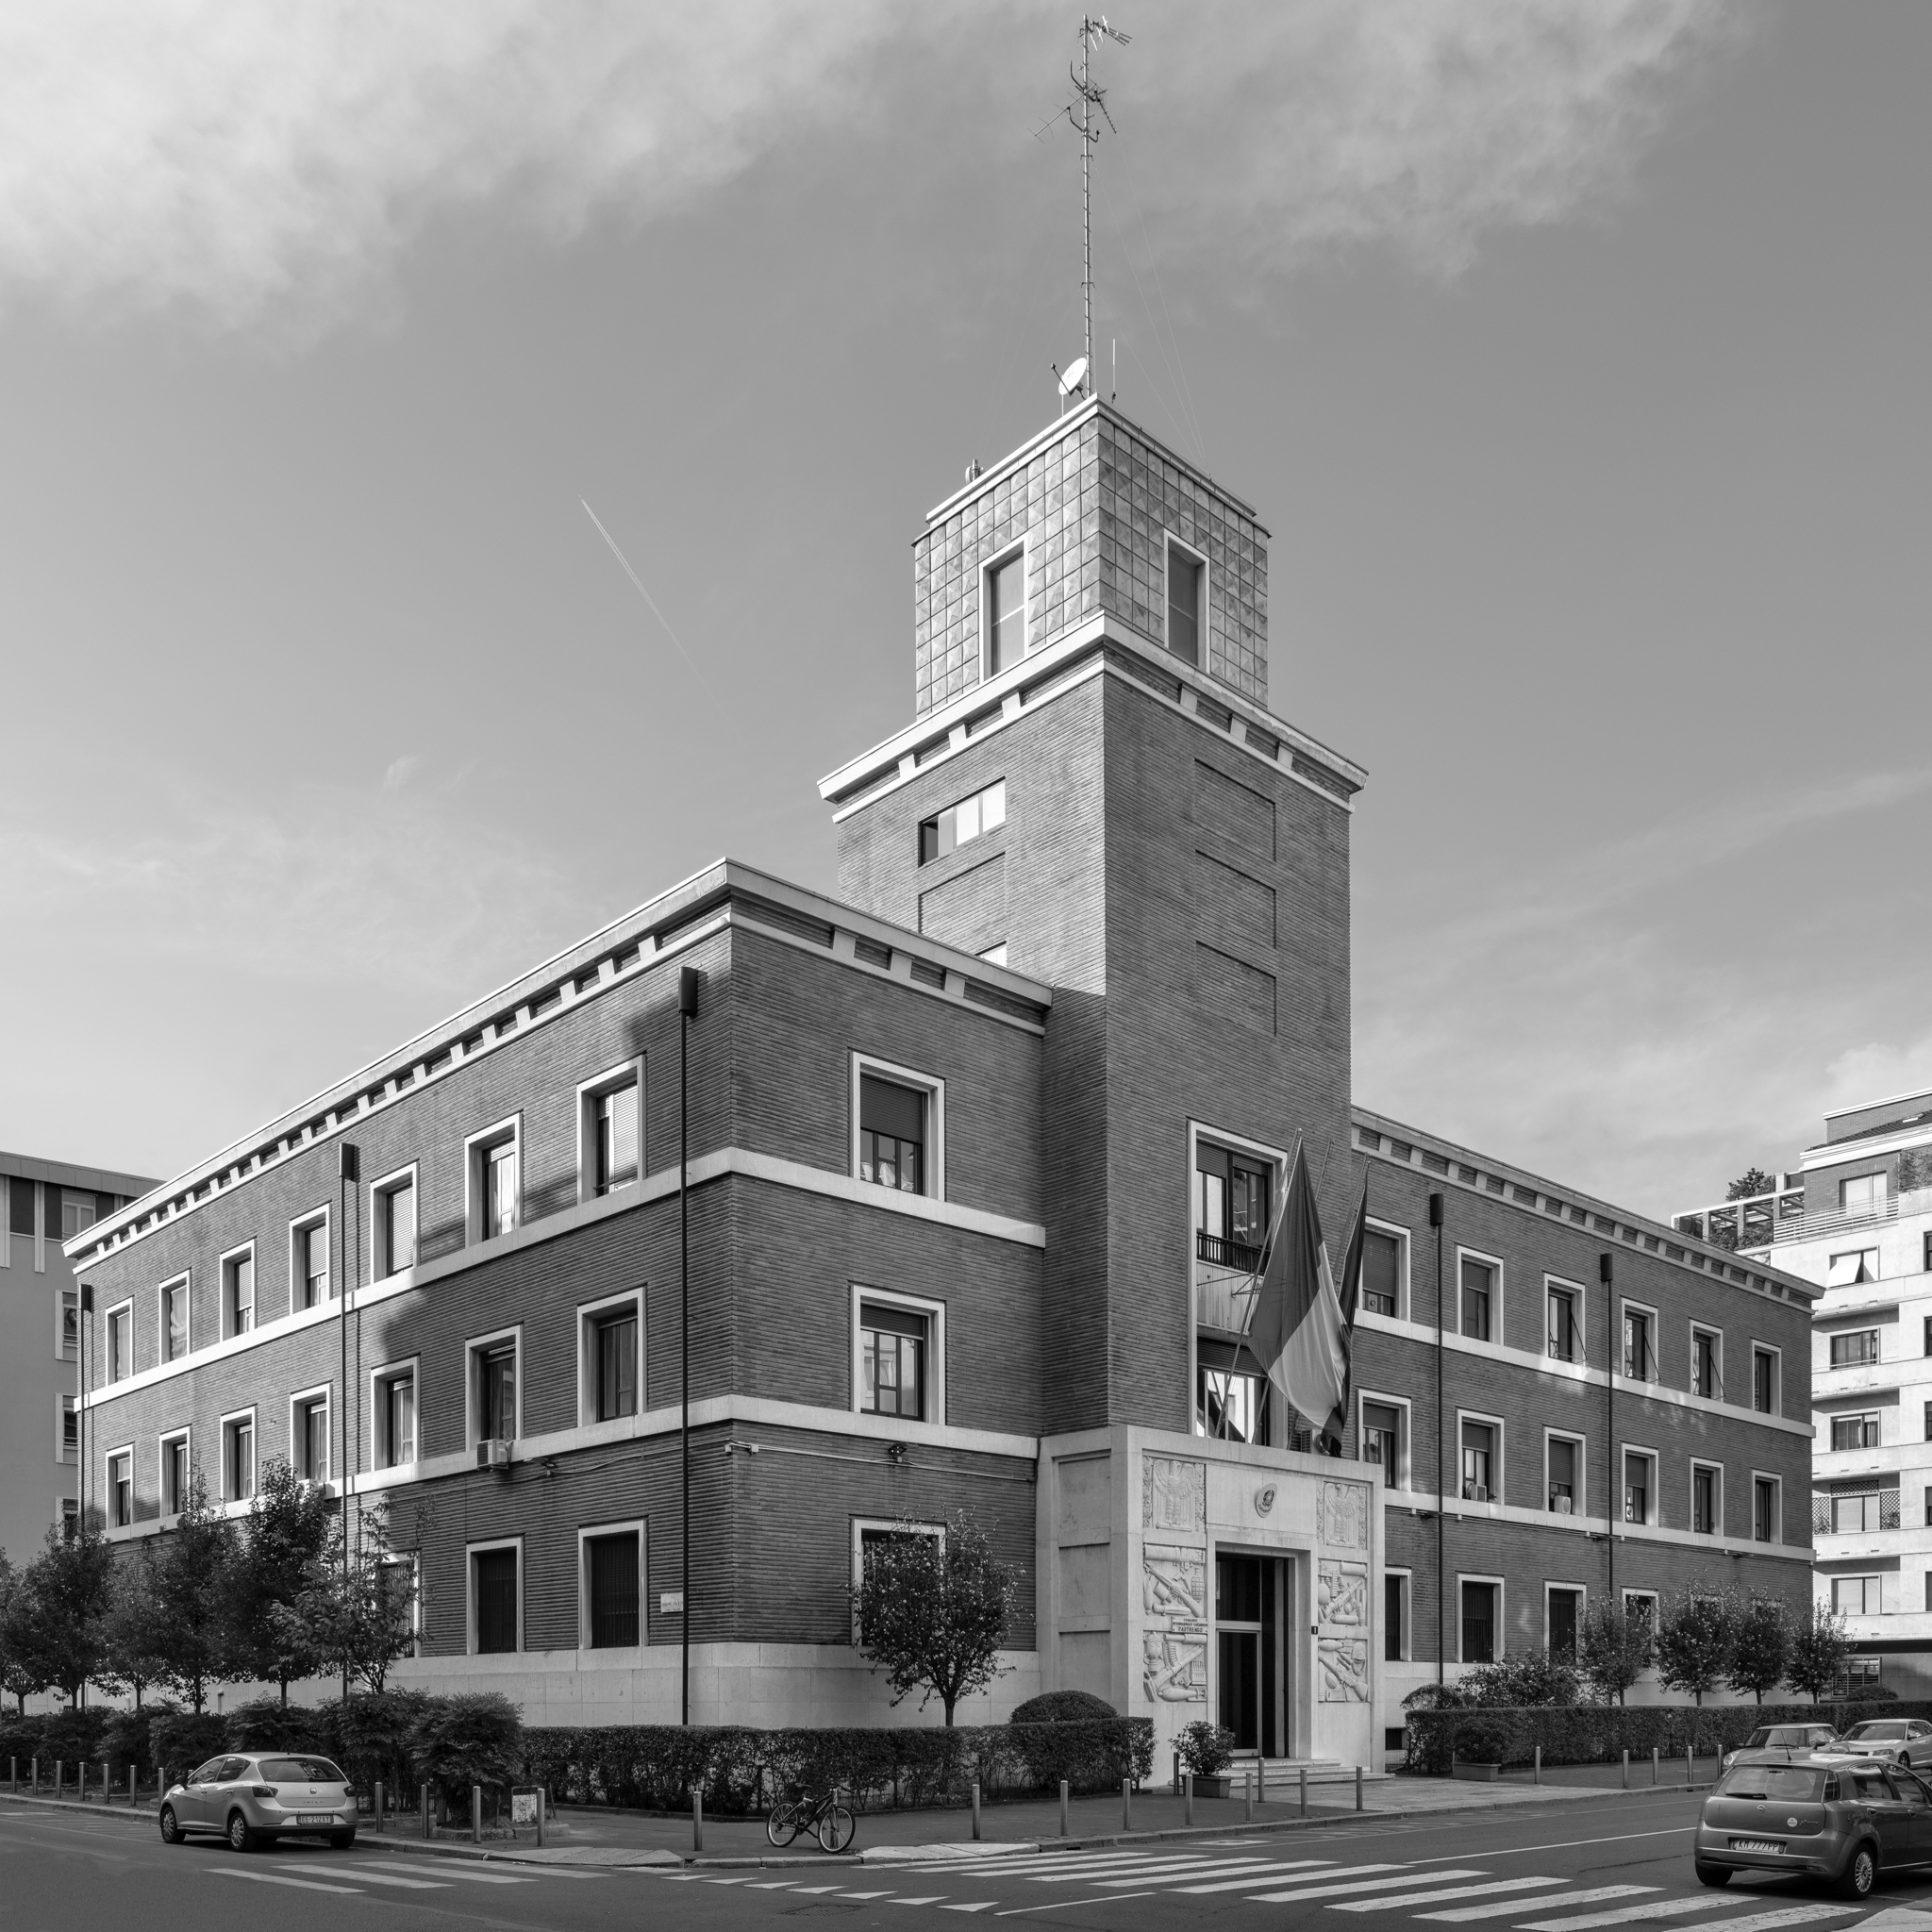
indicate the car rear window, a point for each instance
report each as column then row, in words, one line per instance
column 1794, row 1784
column 305, row 1770
column 1888, row 1729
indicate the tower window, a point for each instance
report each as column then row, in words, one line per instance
column 1185, row 573
column 960, row 825
column 1005, row 613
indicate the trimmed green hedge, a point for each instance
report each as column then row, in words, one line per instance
column 1601, row 1733
column 740, row 1770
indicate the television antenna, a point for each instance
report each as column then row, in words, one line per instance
column 1079, row 112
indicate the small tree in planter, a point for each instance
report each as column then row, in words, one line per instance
column 1612, row 1648
column 1206, row 1751
column 1819, row 1649
column 1695, row 1638
column 1761, row 1650
column 1482, row 1741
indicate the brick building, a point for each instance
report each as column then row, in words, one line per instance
column 983, row 1152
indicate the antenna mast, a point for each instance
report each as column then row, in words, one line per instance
column 1088, row 97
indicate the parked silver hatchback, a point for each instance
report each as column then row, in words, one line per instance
column 1832, row 1818
column 251, row 1798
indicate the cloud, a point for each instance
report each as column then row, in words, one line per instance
column 244, row 165
column 401, row 770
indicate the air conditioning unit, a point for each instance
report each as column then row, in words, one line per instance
column 493, row 1453
column 1475, row 1492
column 1562, row 1505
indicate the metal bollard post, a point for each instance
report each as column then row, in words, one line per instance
column 34, row 1769
column 1126, row 1803
column 1176, row 1774
column 107, row 1784
column 133, row 1790
column 13, row 1773
column 1626, row 1768
column 81, row 1778
column 1305, row 1791
column 543, row 1806
column 375, row 1822
column 1538, row 1764
column 426, row 1832
column 975, row 1811
column 1690, row 1752
column 1249, row 1813
column 1653, row 1763
column 698, row 1819
column 1188, row 1798
column 1063, row 1807
column 475, row 1815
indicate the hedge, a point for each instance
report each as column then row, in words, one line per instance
column 1600, row 1733
column 739, row 1769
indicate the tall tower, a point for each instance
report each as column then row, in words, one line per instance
column 1094, row 791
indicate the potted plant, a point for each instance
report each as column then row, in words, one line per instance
column 1482, row 1742
column 1205, row 1750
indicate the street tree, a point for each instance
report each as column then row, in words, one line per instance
column 1695, row 1639
column 19, row 1678
column 1819, row 1649
column 1761, row 1646
column 933, row 1610
column 132, row 1657
column 67, row 1589
column 362, row 1612
column 1613, row 1648
column 190, row 1594
column 287, row 1528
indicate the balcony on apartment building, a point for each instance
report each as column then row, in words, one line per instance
column 1762, row 1221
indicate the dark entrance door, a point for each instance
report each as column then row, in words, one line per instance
column 1250, row 1593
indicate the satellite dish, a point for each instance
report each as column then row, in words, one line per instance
column 1076, row 374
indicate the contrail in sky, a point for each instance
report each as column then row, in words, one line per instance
column 648, row 598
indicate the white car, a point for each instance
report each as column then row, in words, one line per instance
column 254, row 1797
column 1897, row 1740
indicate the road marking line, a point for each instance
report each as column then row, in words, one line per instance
column 1245, row 1870
column 1661, row 1908
column 769, row 1885
column 1792, row 1915
column 1408, row 1877
column 932, row 1900
column 1464, row 1913
column 1278, row 1898
column 372, row 1877
column 453, row 1870
column 1430, row 1898
column 270, row 1878
column 1562, row 1845
column 1064, row 1905
column 813, row 1891
column 865, row 1894
column 980, row 1907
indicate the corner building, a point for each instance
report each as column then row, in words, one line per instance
column 982, row 1156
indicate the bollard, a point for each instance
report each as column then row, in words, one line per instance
column 13, row 1773
column 133, row 1790
column 698, row 1819
column 1305, row 1791
column 475, row 1815
column 426, row 1832
column 107, row 1784
column 1358, row 1787
column 1249, row 1814
column 80, row 1781
column 1063, row 1807
column 1176, row 1774
column 543, row 1806
column 1126, row 1803
column 1188, row 1798
column 34, row 1766
column 1653, row 1763
column 1690, row 1752
column 1538, row 1764
column 376, row 1821
column 976, row 1813
column 1626, row 1768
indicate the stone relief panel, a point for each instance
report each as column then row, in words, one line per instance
column 1345, row 1595
column 1345, row 1515
column 1174, row 1593
column 1173, row 1493
column 1345, row 1670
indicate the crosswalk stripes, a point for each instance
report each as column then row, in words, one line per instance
column 1435, row 1897
column 368, row 1875
column 274, row 1878
column 1464, row 1914
column 1625, row 1915
column 1223, row 1883
column 444, row 1871
column 1401, row 1878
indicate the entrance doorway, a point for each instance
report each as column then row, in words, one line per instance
column 1252, row 1595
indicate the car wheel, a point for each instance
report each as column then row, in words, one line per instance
column 341, row 1840
column 241, row 1837
column 1713, row 1874
column 170, row 1826
column 1861, row 1874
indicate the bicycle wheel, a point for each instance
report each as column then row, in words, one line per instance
column 834, row 1828
column 782, row 1822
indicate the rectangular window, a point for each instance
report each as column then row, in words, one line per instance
column 175, row 1321
column 1851, row 1351
column 1565, row 1614
column 960, row 825
column 1185, row 576
column 121, row 1488
column 120, row 1340
column 1852, row 1268
column 396, row 1226
column 1005, row 613
column 238, row 1292
column 69, row 1324
column 1479, row 1622
column 495, row 1584
column 70, row 1426
column 1856, row 1596
column 1861, row 1431
column 311, row 1265
column 1865, row 1195
column 614, row 1339
column 1640, row 1351
column 309, row 1439
column 1928, row 1334
column 611, row 1574
column 892, row 1134
column 238, row 1459
column 1233, row 1194
column 495, row 1371
column 1707, row 1368
column 1564, row 1339
column 1566, row 1457
column 1641, row 1604
column 1382, row 1440
column 1925, row 1259
column 1856, row 1513
column 1639, row 1489
column 616, row 1141
column 1382, row 1273
column 1231, row 1406
column 1704, row 1500
column 1764, row 1381
column 395, row 1419
column 1478, row 1298
column 20, row 1207
column 1479, row 1470
column 495, row 1182
column 891, row 1357
column 1764, row 1509
column 1394, row 1616
column 175, row 1482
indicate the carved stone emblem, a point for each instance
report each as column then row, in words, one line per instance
column 1344, row 1666
column 1345, row 1595
column 1173, row 1493
column 1264, row 1500
column 1174, row 1594
column 1345, row 1515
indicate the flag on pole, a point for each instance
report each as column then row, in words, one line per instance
column 1303, row 1327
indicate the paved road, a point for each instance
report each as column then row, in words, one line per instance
column 1586, row 1866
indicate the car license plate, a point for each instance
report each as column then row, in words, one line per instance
column 325, row 1818
column 1758, row 1844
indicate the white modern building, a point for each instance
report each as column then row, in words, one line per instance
column 1855, row 1218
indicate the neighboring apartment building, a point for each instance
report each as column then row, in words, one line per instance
column 44, row 1204
column 1856, row 1219
column 983, row 1152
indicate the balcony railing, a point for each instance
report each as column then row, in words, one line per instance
column 1220, row 1253
column 1853, row 1512
column 1767, row 1219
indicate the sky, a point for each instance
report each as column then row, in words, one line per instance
column 1574, row 359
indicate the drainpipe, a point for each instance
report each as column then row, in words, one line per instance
column 1605, row 1272
column 1441, row 1579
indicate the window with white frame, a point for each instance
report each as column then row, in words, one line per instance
column 1707, row 1363
column 1765, row 1363
column 1852, row 1268
column 496, row 1197
column 872, row 1540
column 67, row 1335
column 238, row 1457
column 610, row 1357
column 121, row 1488
column 1863, row 1676
column 66, row 1429
column 1187, row 600
column 611, row 1131
column 393, row 1415
column 238, row 1291
column 1385, row 1437
column 612, row 1583
column 496, row 1597
column 401, row 1580
column 1480, row 1601
column 1640, row 1344
column 898, row 1117
column 898, row 1355
column 1481, row 1441
column 1562, row 1321
column 1856, row 1596
column 1706, row 1499
column 973, row 817
column 1562, row 1618
column 120, row 1340
column 1852, row 1349
column 177, row 1483
column 1233, row 1204
column 1479, row 1310
column 70, row 1518
column 1397, row 1633
column 309, row 1261
column 393, row 1201
column 1641, row 1605
column 493, row 1379
column 1860, row 1431
column 308, row 1435
column 1864, row 1195
column 1385, row 1269
column 174, row 1318
column 1003, row 611
column 1767, row 1509
column 1640, row 1486
column 1563, row 1489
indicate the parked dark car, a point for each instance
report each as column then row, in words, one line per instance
column 1840, row 1819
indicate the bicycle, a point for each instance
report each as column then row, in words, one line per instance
column 828, row 1821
